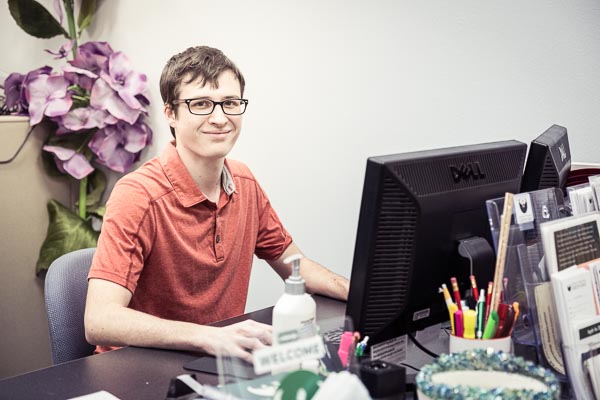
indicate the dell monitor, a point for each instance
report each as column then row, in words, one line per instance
column 416, row 209
column 548, row 162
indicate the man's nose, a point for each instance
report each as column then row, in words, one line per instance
column 218, row 116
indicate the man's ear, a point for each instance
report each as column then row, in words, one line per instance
column 170, row 115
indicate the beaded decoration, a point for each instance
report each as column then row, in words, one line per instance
column 485, row 360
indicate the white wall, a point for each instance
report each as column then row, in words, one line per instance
column 332, row 82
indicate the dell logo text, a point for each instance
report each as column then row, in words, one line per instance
column 466, row 171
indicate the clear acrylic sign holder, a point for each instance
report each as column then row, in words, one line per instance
column 239, row 379
column 536, row 335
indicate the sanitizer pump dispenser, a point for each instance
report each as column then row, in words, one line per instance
column 294, row 314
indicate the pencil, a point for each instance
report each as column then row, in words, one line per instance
column 488, row 300
column 474, row 287
column 456, row 292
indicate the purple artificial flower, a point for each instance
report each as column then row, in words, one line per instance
column 104, row 98
column 108, row 98
column 15, row 88
column 47, row 95
column 93, row 56
column 118, row 146
column 15, row 98
column 70, row 161
column 79, row 76
column 124, row 80
column 63, row 52
column 136, row 136
column 84, row 118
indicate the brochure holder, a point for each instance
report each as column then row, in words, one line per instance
column 293, row 368
column 536, row 334
column 583, row 198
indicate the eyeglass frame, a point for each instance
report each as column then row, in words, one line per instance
column 215, row 104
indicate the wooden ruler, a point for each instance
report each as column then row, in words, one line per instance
column 502, row 247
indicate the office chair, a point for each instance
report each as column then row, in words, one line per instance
column 65, row 292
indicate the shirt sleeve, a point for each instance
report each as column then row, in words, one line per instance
column 127, row 234
column 272, row 238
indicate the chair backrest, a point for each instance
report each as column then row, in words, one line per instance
column 65, row 292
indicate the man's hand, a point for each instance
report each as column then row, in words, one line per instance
column 319, row 280
column 238, row 340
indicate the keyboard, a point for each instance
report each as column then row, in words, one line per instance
column 334, row 335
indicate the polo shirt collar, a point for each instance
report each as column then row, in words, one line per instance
column 183, row 184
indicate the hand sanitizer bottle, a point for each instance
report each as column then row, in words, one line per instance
column 294, row 314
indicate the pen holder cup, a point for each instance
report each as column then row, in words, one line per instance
column 458, row 344
column 483, row 374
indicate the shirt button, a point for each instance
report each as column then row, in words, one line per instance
column 218, row 239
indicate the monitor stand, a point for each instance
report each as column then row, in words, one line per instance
column 481, row 256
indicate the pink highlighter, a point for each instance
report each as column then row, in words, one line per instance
column 346, row 346
column 459, row 323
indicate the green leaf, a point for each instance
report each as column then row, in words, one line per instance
column 86, row 14
column 66, row 232
column 34, row 19
column 98, row 211
column 97, row 183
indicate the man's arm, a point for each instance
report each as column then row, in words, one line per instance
column 319, row 280
column 109, row 322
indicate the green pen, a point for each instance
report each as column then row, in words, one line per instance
column 491, row 326
column 480, row 314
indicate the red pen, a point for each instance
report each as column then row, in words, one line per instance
column 509, row 321
column 488, row 300
column 502, row 314
column 474, row 287
column 456, row 292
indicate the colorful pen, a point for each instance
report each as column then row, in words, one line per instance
column 491, row 325
column 508, row 321
column 346, row 347
column 480, row 314
column 360, row 348
column 446, row 293
column 456, row 292
column 469, row 318
column 474, row 287
column 452, row 308
column 502, row 314
column 459, row 323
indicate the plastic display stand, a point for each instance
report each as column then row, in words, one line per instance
column 239, row 379
column 527, row 280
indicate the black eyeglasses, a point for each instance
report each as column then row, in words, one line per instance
column 207, row 106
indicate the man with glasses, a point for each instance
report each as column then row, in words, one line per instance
column 180, row 232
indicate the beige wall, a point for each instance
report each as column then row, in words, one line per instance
column 24, row 190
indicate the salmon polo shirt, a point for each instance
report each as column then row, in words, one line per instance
column 182, row 256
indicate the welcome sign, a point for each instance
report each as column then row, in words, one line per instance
column 288, row 354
